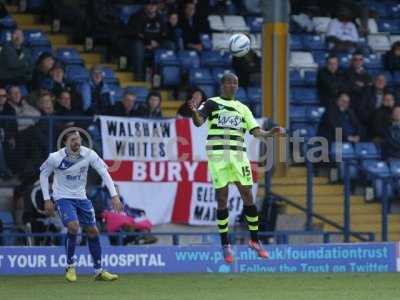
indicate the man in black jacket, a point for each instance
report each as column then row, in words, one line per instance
column 330, row 80
column 340, row 116
column 391, row 145
column 126, row 107
column 147, row 29
column 357, row 77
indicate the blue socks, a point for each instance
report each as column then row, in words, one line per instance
column 95, row 251
column 70, row 243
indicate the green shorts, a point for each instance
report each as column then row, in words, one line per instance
column 225, row 171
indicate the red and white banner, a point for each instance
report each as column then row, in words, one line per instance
column 160, row 166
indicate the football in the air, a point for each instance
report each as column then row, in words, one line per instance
column 239, row 44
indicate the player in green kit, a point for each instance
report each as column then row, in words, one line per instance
column 228, row 120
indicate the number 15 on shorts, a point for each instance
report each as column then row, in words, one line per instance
column 245, row 171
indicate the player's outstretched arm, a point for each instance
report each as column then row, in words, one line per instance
column 46, row 169
column 197, row 118
column 264, row 134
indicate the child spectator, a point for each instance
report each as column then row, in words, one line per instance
column 152, row 108
column 195, row 94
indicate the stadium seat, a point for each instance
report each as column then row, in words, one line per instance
column 346, row 150
column 140, row 92
column 305, row 96
column 188, row 59
column 69, row 56
column 208, row 89
column 171, row 75
column 379, row 8
column 379, row 42
column 394, row 38
column 215, row 59
column 388, row 25
column 254, row 94
column 321, row 24
column 235, row 23
column 296, row 43
column 8, row 223
column 314, row 42
column 366, row 151
column 206, row 41
column 127, row 11
column 24, row 90
column 37, row 51
column 373, row 62
column 344, row 60
column 295, row 78
column 163, row 57
column 319, row 57
column 200, row 76
column 220, row 41
column 376, row 167
column 395, row 167
column 109, row 76
column 372, row 25
column 241, row 95
column 36, row 38
column 5, row 36
column 298, row 114
column 396, row 77
column 77, row 73
column 255, row 23
column 8, row 23
column 116, row 93
column 302, row 60
column 310, row 77
column 314, row 114
column 255, row 40
column 303, row 130
column 217, row 73
column 216, row 23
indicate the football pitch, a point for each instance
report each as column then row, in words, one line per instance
column 323, row 286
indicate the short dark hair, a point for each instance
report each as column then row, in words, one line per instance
column 129, row 93
column 68, row 134
column 227, row 76
column 357, row 53
column 153, row 94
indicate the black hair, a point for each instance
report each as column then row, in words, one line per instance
column 227, row 76
column 153, row 94
column 68, row 134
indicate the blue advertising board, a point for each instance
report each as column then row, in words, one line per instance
column 363, row 257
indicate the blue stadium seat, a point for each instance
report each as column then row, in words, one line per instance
column 8, row 23
column 35, row 4
column 208, row 89
column 8, row 223
column 395, row 167
column 296, row 43
column 346, row 149
column 380, row 9
column 366, row 151
column 69, row 56
column 218, row 72
column 188, row 59
column 388, row 25
column 215, row 59
column 163, row 57
column 127, row 11
column 303, row 129
column 77, row 73
column 344, row 60
column 295, row 78
column 396, row 77
column 109, row 76
column 241, row 95
column 171, row 75
column 254, row 94
column 200, row 76
column 305, row 96
column 313, row 42
column 376, row 167
column 255, row 24
column 319, row 57
column 24, row 90
column 373, row 62
column 37, row 51
column 310, row 77
column 314, row 114
column 206, row 41
column 5, row 36
column 36, row 38
column 140, row 92
column 116, row 93
column 298, row 114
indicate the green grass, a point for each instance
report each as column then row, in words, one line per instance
column 207, row 287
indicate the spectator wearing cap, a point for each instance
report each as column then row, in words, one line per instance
column 342, row 34
column 15, row 61
column 152, row 107
column 8, row 133
column 330, row 80
column 126, row 107
column 96, row 93
column 357, row 78
column 42, row 69
column 391, row 59
column 382, row 117
column 146, row 33
column 391, row 144
column 192, row 25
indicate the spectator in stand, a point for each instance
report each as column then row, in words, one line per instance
column 33, row 97
column 382, row 117
column 46, row 109
column 126, row 107
column 15, row 61
column 195, row 94
column 64, row 105
column 152, row 108
column 147, row 31
column 330, row 80
column 174, row 32
column 8, row 133
column 192, row 25
column 342, row 34
column 26, row 154
column 248, row 68
column 391, row 144
column 371, row 99
column 340, row 116
column 42, row 69
column 391, row 59
column 357, row 78
column 96, row 93
column 305, row 19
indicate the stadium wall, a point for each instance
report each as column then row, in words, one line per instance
column 365, row 257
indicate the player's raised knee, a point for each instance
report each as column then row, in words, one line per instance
column 73, row 227
column 92, row 232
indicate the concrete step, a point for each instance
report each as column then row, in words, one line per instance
column 12, row 9
column 329, row 211
column 113, row 67
column 173, row 105
column 135, row 83
column 298, row 180
column 78, row 47
column 328, row 199
column 43, row 27
column 124, row 76
column 368, row 219
column 92, row 58
column 169, row 113
column 58, row 38
column 25, row 19
column 296, row 172
column 300, row 190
